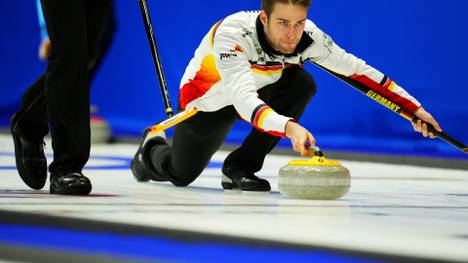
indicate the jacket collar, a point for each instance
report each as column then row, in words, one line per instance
column 304, row 43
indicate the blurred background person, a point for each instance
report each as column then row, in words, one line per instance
column 60, row 98
column 100, row 128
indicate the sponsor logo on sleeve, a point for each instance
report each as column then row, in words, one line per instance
column 227, row 55
column 231, row 53
column 327, row 42
column 246, row 32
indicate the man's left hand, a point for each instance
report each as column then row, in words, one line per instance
column 426, row 117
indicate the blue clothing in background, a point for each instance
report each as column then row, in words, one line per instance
column 42, row 23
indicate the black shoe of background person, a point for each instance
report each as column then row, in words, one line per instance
column 141, row 166
column 70, row 184
column 31, row 162
column 245, row 181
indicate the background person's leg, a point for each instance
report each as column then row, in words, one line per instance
column 74, row 29
column 32, row 120
column 100, row 30
column 28, row 127
column 66, row 84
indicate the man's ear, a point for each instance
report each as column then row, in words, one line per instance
column 263, row 18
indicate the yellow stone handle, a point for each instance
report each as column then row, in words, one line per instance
column 317, row 159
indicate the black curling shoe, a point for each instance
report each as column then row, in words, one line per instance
column 141, row 166
column 31, row 162
column 70, row 184
column 237, row 179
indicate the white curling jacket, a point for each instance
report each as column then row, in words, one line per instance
column 234, row 60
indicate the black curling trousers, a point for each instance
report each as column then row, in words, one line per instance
column 60, row 97
column 198, row 138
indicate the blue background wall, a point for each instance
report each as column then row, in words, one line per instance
column 419, row 43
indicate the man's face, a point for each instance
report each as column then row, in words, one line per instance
column 285, row 26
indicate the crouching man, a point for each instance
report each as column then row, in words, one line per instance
column 250, row 66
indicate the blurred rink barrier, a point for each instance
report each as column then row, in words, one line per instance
column 100, row 129
column 419, row 44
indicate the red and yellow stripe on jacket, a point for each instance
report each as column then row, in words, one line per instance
column 258, row 117
column 205, row 77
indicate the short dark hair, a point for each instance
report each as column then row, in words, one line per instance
column 267, row 5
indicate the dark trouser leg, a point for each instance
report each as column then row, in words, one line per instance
column 33, row 122
column 32, row 115
column 101, row 27
column 105, row 39
column 28, row 128
column 288, row 96
column 195, row 142
column 74, row 37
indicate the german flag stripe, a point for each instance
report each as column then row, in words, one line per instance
column 384, row 80
column 386, row 93
column 266, row 68
column 388, row 83
column 267, row 72
column 274, row 67
column 406, row 115
column 392, row 86
column 213, row 32
column 274, row 133
column 263, row 116
column 260, row 116
column 254, row 113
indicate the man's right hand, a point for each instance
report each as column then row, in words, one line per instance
column 299, row 137
column 45, row 48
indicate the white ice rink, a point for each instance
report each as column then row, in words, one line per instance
column 390, row 209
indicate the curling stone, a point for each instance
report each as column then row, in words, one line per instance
column 318, row 178
column 100, row 129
